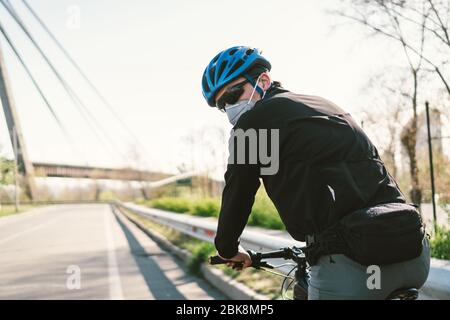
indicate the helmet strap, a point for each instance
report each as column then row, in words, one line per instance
column 253, row 83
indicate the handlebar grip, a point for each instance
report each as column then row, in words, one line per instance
column 214, row 260
column 217, row 260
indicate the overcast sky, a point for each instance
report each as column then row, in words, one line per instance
column 147, row 58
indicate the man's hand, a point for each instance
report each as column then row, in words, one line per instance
column 241, row 256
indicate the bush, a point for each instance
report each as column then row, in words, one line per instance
column 207, row 207
column 142, row 201
column 200, row 254
column 264, row 214
column 107, row 196
column 180, row 205
column 440, row 244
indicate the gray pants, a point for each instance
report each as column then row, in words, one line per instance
column 338, row 277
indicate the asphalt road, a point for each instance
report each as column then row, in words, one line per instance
column 88, row 252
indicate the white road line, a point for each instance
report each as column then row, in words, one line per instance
column 115, row 286
column 13, row 236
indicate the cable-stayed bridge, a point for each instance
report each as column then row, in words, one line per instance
column 25, row 165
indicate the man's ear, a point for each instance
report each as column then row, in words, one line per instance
column 265, row 81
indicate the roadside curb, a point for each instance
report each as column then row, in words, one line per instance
column 230, row 287
column 438, row 282
column 216, row 277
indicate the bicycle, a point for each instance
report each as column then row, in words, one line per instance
column 300, row 280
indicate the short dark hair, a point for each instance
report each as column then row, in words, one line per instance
column 255, row 71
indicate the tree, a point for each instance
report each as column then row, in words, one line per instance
column 204, row 150
column 441, row 180
column 384, row 112
column 421, row 29
column 6, row 171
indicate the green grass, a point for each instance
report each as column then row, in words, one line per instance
column 264, row 213
column 7, row 210
column 200, row 254
column 179, row 205
column 207, row 207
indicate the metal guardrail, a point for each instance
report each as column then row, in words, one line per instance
column 205, row 229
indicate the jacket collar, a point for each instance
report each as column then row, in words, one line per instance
column 274, row 89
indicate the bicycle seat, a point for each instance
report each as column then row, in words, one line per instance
column 404, row 294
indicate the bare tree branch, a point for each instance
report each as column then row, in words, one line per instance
column 441, row 23
column 363, row 20
column 445, row 39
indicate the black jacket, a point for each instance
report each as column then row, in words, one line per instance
column 328, row 168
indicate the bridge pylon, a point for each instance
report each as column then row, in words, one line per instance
column 15, row 130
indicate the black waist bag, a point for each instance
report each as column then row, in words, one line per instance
column 383, row 234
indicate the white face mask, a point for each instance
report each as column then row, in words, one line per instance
column 235, row 111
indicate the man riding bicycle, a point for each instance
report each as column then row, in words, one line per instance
column 329, row 182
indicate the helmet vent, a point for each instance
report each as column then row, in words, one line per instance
column 205, row 85
column 236, row 66
column 222, row 66
column 211, row 72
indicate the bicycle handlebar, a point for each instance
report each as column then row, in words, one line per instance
column 257, row 257
column 215, row 260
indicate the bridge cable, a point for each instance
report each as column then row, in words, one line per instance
column 87, row 115
column 40, row 91
column 33, row 80
column 83, row 74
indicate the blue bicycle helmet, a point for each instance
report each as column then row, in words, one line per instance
column 227, row 66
